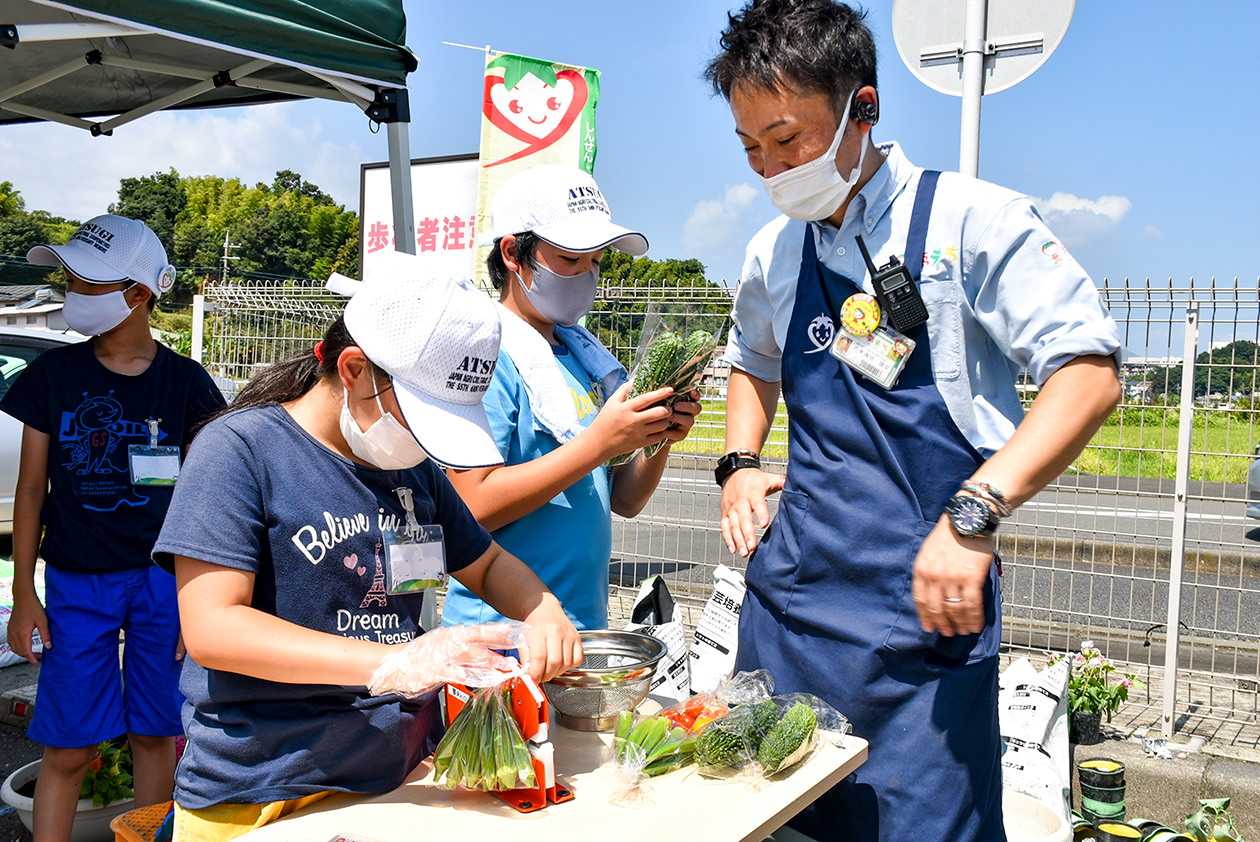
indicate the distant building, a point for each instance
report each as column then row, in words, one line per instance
column 32, row 305
column 717, row 374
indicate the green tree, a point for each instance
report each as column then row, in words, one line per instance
column 11, row 201
column 680, row 286
column 156, row 200
column 1228, row 370
column 18, row 233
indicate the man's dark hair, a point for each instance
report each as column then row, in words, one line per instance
column 526, row 242
column 805, row 46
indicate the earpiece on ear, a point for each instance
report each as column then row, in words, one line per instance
column 867, row 112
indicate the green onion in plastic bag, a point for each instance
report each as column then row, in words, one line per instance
column 483, row 748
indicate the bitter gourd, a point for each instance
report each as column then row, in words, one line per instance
column 781, row 745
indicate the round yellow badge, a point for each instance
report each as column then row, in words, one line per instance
column 860, row 314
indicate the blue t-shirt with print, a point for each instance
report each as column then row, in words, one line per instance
column 95, row 520
column 259, row 494
column 567, row 541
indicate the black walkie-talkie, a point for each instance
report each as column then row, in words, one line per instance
column 897, row 292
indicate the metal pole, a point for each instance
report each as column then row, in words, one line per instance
column 1185, row 428
column 973, row 50
column 198, row 325
column 400, row 186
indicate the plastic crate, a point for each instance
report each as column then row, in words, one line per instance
column 140, row 824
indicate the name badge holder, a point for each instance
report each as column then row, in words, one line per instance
column 866, row 343
column 415, row 556
column 153, row 463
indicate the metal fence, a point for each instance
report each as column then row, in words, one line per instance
column 1157, row 498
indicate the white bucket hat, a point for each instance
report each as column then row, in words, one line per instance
column 563, row 206
column 439, row 341
column 107, row 249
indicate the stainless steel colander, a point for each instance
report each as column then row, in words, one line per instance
column 615, row 673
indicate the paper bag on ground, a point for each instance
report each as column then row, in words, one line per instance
column 713, row 650
column 656, row 613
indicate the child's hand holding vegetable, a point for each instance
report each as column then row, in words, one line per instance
column 625, row 424
column 462, row 654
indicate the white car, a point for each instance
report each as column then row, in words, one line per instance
column 18, row 346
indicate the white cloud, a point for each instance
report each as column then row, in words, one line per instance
column 1078, row 221
column 69, row 173
column 717, row 225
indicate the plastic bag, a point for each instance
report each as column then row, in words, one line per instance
column 456, row 654
column 701, row 709
column 674, row 349
column 766, row 737
column 484, row 748
column 644, row 747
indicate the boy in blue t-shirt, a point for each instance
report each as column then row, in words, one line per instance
column 104, row 425
column 558, row 402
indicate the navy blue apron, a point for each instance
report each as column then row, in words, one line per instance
column 829, row 608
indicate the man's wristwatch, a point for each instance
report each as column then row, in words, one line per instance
column 733, row 461
column 971, row 517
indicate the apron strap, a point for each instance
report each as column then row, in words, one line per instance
column 916, row 238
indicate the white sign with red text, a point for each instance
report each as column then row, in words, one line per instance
column 444, row 196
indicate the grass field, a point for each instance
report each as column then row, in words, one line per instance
column 1135, row 442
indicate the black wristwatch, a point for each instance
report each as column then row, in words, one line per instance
column 732, row 462
column 971, row 517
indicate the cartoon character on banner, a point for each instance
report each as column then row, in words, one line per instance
column 536, row 111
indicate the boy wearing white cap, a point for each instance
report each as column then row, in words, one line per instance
column 290, row 535
column 98, row 417
column 557, row 403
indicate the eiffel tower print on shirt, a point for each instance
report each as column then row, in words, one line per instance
column 376, row 593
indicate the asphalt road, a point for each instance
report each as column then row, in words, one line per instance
column 1094, row 551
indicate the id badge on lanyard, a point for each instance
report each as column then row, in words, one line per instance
column 152, row 463
column 868, row 344
column 415, row 555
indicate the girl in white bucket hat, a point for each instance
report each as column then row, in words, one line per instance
column 304, row 524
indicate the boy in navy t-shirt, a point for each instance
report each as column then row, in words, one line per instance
column 104, row 425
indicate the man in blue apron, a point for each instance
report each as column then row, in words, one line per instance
column 876, row 587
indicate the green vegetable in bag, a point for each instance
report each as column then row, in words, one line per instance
column 484, row 748
column 654, row 745
column 783, row 745
column 674, row 360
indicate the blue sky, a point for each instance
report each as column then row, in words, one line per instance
column 1138, row 137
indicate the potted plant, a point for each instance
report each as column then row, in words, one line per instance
column 1213, row 822
column 1092, row 693
column 106, row 792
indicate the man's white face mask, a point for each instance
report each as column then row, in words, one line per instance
column 815, row 190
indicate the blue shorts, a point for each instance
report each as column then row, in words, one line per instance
column 84, row 697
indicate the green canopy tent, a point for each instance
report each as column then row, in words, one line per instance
column 98, row 65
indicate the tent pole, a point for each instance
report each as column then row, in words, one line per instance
column 400, row 186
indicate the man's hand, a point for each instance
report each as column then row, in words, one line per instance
column 744, row 508
column 949, row 576
column 28, row 616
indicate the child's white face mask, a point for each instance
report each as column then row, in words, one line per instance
column 92, row 315
column 387, row 444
